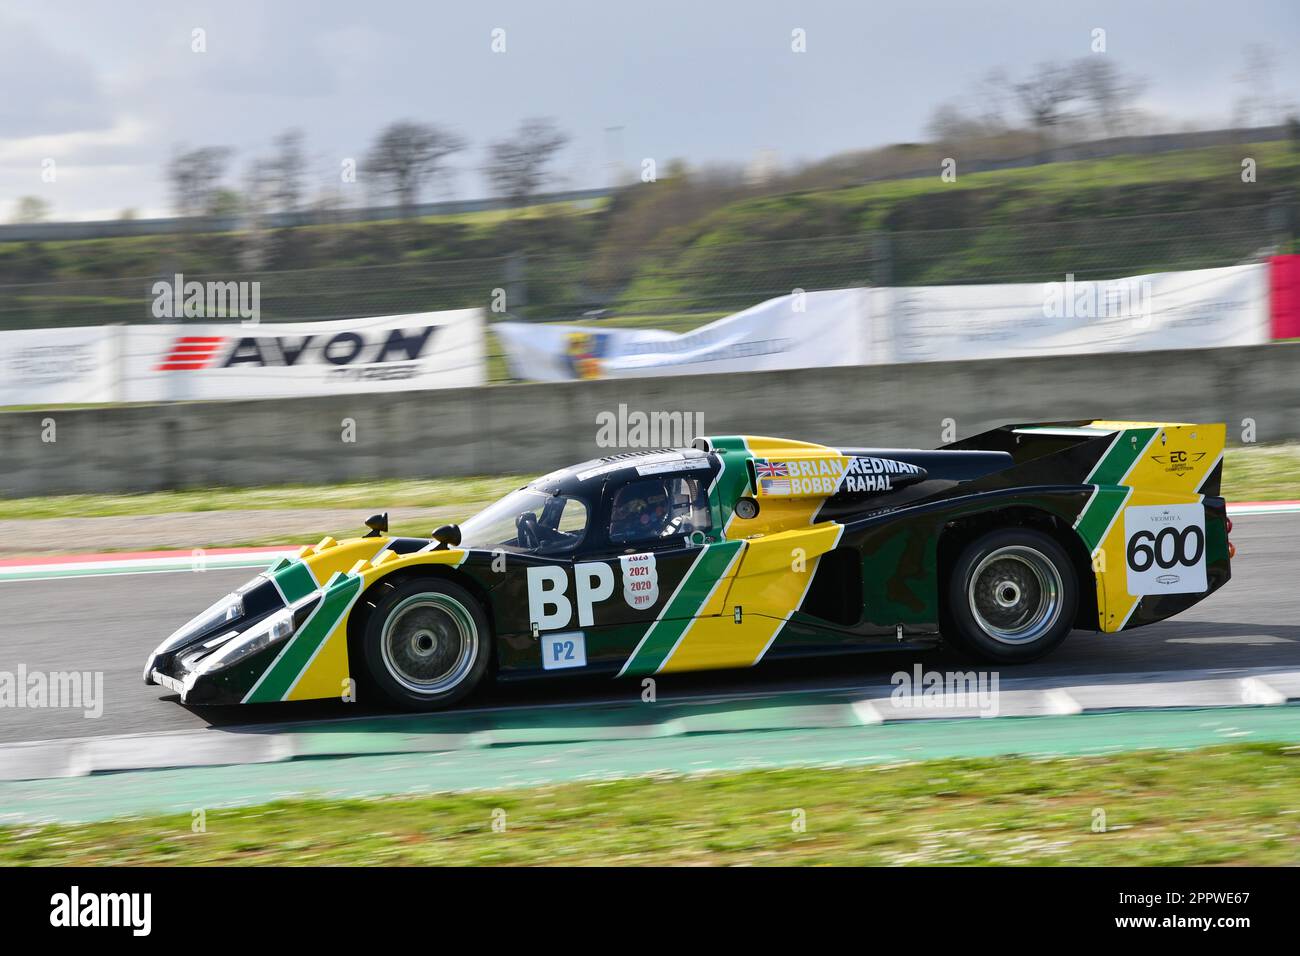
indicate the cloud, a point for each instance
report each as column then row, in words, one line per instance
column 111, row 90
column 46, row 91
column 107, row 146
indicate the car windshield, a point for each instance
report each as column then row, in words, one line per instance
column 530, row 521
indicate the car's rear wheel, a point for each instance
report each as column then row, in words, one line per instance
column 1012, row 595
column 426, row 643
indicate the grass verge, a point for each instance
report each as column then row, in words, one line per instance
column 1262, row 473
column 1222, row 805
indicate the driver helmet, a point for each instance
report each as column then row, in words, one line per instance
column 641, row 516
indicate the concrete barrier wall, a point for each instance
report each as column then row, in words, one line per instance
column 531, row 429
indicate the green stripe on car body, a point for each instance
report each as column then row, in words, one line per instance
column 730, row 483
column 1097, row 517
column 1121, row 456
column 294, row 581
column 682, row 608
column 282, row 674
column 1107, row 477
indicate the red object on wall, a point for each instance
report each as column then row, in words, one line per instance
column 1284, row 296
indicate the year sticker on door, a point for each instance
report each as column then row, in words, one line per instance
column 1165, row 549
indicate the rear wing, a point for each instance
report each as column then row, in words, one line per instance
column 1170, row 457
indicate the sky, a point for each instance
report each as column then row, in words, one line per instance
column 100, row 95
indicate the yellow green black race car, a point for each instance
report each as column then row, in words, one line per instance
column 735, row 551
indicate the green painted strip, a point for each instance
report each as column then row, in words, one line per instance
column 398, row 733
column 105, row 796
column 284, row 670
column 1097, row 516
column 683, row 607
column 54, row 571
column 295, row 581
column 1263, row 508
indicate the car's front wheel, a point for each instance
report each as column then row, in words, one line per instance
column 1012, row 595
column 426, row 643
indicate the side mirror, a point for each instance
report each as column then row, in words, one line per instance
column 378, row 525
column 448, row 536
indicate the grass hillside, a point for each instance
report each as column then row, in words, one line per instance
column 1169, row 211
column 689, row 243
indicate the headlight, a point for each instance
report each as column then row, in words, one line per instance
column 274, row 629
column 229, row 608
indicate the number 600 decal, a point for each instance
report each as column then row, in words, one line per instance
column 1165, row 549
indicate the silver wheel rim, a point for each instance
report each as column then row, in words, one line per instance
column 1015, row 595
column 429, row 643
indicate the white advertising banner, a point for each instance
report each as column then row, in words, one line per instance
column 803, row 330
column 1205, row 308
column 145, row 363
column 58, row 366
column 1201, row 309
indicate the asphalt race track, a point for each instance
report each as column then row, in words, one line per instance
column 110, row 624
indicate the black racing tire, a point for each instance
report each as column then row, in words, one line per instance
column 426, row 643
column 1012, row 596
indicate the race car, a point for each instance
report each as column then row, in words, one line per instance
column 732, row 552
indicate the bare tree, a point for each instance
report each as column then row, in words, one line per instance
column 949, row 123
column 408, row 155
column 1259, row 104
column 225, row 202
column 257, row 188
column 993, row 93
column 516, row 167
column 1044, row 95
column 196, row 179
column 286, row 169
column 1111, row 94
column 274, row 183
column 29, row 209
